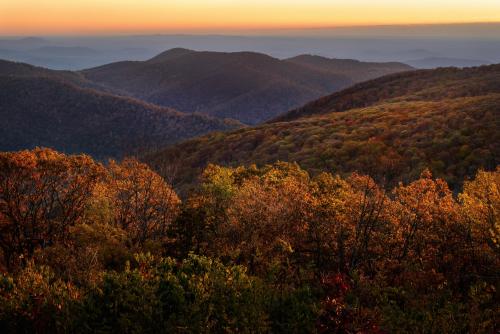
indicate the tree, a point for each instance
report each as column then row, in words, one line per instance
column 425, row 212
column 481, row 204
column 143, row 204
column 42, row 194
column 197, row 295
column 367, row 206
column 35, row 300
column 267, row 218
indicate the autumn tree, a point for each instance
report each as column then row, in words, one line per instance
column 42, row 194
column 327, row 229
column 425, row 211
column 36, row 300
column 367, row 207
column 205, row 211
column 268, row 217
column 481, row 203
column 429, row 249
column 143, row 204
column 480, row 208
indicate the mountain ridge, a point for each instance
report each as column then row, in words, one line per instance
column 453, row 132
column 58, row 109
column 225, row 84
column 403, row 86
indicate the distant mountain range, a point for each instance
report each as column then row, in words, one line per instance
column 391, row 128
column 435, row 62
column 355, row 70
column 374, row 44
column 115, row 110
column 74, row 51
column 246, row 86
column 25, row 43
column 63, row 110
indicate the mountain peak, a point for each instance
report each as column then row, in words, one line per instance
column 170, row 54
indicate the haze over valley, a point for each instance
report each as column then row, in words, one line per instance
column 424, row 46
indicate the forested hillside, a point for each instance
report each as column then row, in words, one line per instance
column 45, row 110
column 246, row 86
column 446, row 120
column 423, row 85
column 16, row 69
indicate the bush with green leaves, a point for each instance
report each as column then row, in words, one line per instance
column 37, row 301
column 198, row 295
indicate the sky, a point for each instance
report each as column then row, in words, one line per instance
column 69, row 17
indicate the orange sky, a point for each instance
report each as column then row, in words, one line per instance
column 157, row 16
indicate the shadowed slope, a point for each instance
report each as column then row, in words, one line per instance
column 247, row 86
column 44, row 111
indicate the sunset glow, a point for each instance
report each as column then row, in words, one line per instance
column 156, row 16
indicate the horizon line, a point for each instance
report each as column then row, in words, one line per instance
column 235, row 31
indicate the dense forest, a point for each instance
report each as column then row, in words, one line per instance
column 246, row 86
column 87, row 247
column 391, row 142
column 422, row 85
column 53, row 111
column 392, row 128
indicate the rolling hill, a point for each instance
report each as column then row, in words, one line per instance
column 422, row 85
column 9, row 68
column 391, row 128
column 356, row 70
column 435, row 62
column 17, row 69
column 246, row 86
column 54, row 109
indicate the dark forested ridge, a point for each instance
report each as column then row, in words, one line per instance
column 10, row 68
column 45, row 110
column 446, row 120
column 16, row 69
column 246, row 86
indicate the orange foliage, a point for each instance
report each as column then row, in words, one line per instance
column 42, row 194
column 142, row 203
